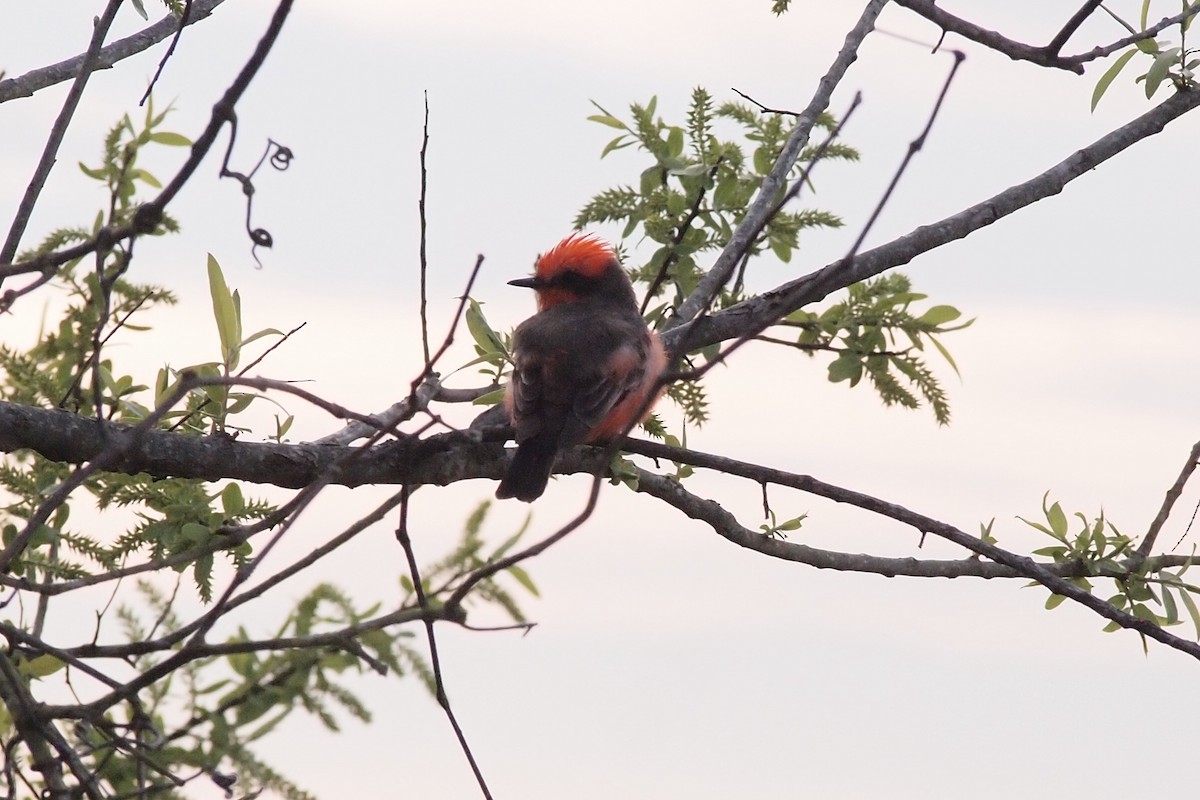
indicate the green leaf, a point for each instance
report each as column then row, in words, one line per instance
column 41, row 666
column 792, row 524
column 675, row 142
column 1057, row 520
column 782, row 250
column 232, row 500
column 1158, row 70
column 1148, row 46
column 616, row 144
column 1143, row 611
column 97, row 174
column 610, row 121
column 1109, row 75
column 939, row 315
column 144, row 177
column 140, row 9
column 1054, row 601
column 651, row 179
column 522, row 577
column 1190, row 604
column 477, row 324
column 171, row 139
column 258, row 335
column 691, row 171
column 764, row 159
column 1169, row 608
column 945, row 353
column 845, row 368
column 489, row 399
column 194, row 533
column 224, row 312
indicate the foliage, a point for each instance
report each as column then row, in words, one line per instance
column 873, row 332
column 1099, row 550
column 203, row 713
column 1167, row 61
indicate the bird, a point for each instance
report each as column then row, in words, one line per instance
column 584, row 366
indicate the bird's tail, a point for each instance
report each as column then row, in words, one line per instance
column 529, row 471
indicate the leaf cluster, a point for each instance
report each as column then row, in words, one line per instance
column 874, row 332
column 1100, row 550
column 1168, row 62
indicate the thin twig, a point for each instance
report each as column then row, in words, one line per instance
column 1168, row 503
column 183, row 21
column 680, row 232
column 761, row 107
column 424, row 265
column 439, row 682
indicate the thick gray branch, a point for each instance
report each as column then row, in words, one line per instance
column 68, row 438
column 752, row 314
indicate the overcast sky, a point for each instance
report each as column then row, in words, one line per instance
column 668, row 663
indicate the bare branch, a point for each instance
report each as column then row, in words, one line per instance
column 184, row 19
column 434, row 660
column 1022, row 565
column 1173, row 494
column 1072, row 25
column 36, row 80
column 1018, row 51
column 57, row 132
column 1047, row 56
column 424, row 262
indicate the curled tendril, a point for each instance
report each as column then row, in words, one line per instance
column 281, row 158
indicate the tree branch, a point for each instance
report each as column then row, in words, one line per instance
column 50, row 152
column 764, row 201
column 68, row 438
column 1047, row 56
column 35, row 80
column 1017, row 51
column 1021, row 565
column 751, row 314
column 1173, row 494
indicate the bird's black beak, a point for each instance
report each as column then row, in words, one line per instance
column 532, row 282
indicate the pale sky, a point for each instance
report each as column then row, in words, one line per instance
column 666, row 662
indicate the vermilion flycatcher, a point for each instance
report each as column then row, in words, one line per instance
column 584, row 365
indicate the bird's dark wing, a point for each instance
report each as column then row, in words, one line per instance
column 571, row 370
